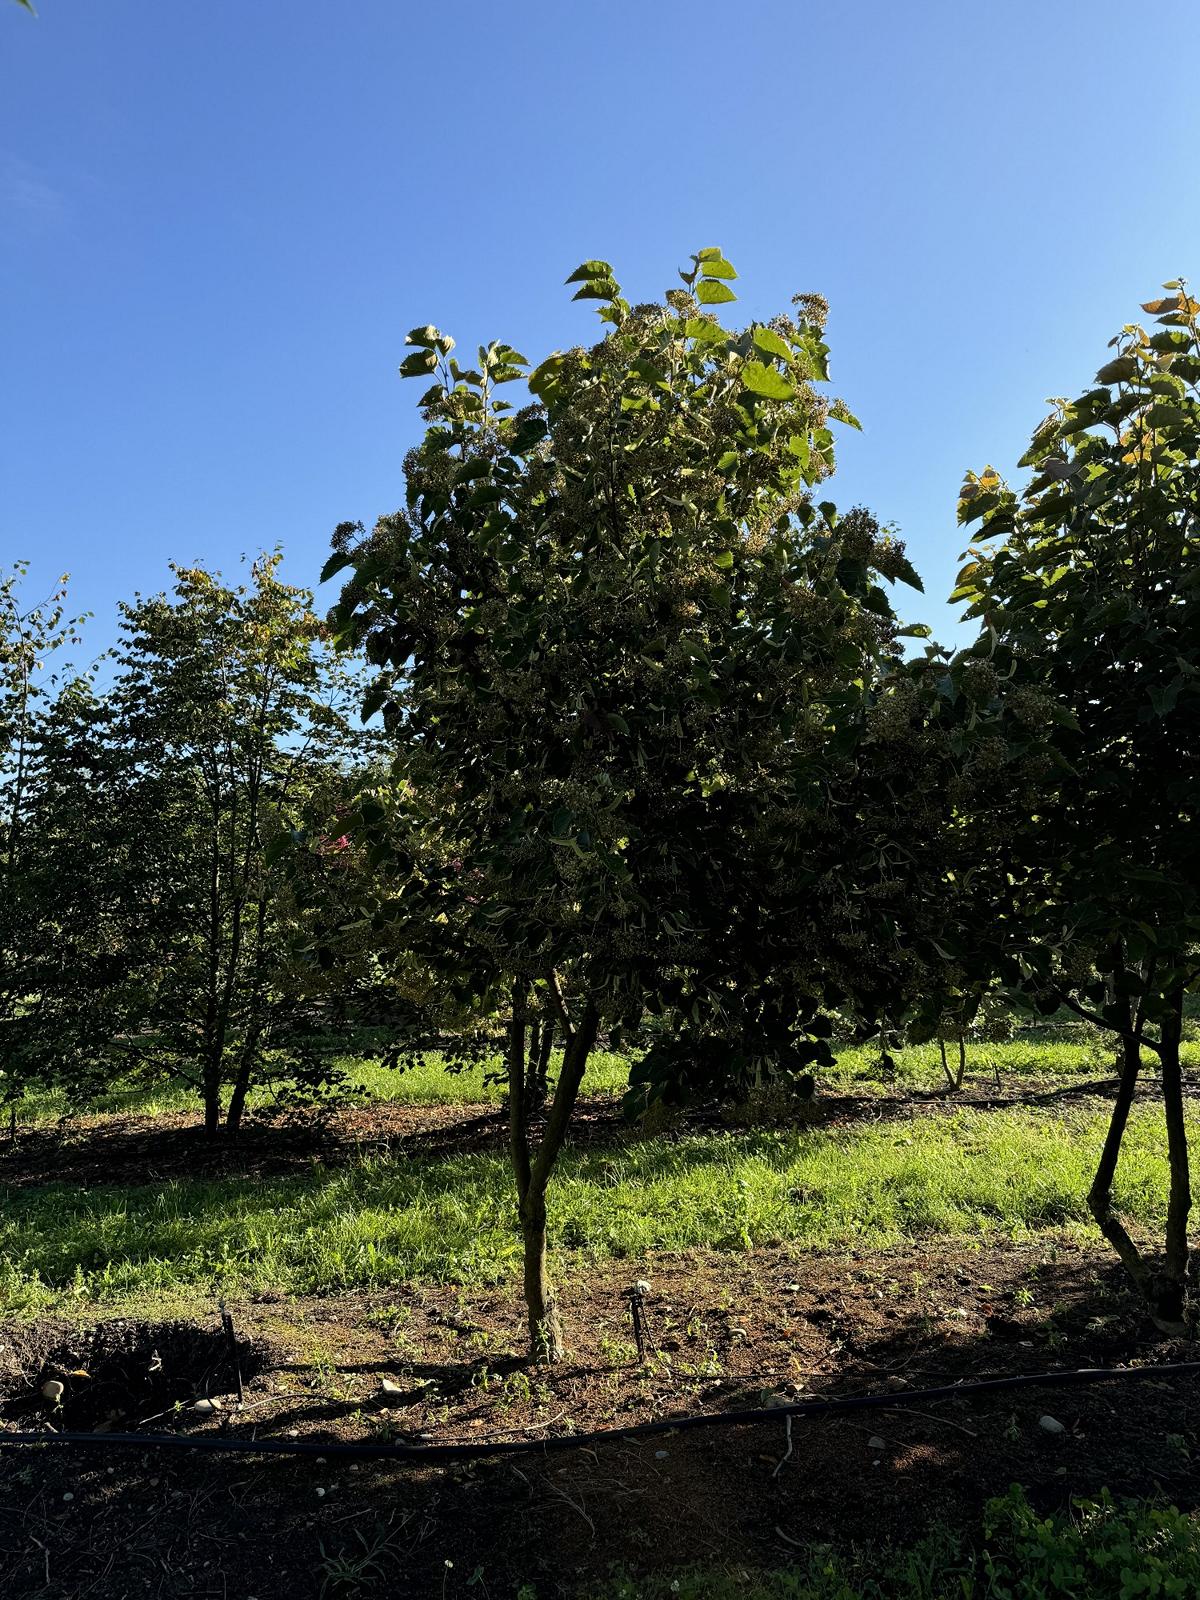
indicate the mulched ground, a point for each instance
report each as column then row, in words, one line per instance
column 727, row 1332
column 133, row 1148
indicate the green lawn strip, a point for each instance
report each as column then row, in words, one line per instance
column 383, row 1221
column 427, row 1083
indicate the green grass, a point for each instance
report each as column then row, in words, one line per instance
column 382, row 1221
column 428, row 1083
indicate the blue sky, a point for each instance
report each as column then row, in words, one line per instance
column 217, row 223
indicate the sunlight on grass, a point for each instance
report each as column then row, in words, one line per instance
column 387, row 1220
column 429, row 1083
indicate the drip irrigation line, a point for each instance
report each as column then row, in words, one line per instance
column 892, row 1400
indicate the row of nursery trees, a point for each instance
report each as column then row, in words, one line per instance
column 148, row 928
column 650, row 757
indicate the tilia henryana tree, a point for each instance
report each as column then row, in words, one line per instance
column 1091, row 624
column 614, row 633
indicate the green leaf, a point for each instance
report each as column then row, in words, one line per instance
column 841, row 412
column 1168, row 416
column 426, row 337
column 1164, row 696
column 589, row 270
column 717, row 267
column 724, row 560
column 705, row 332
column 908, row 574
column 528, row 433
column 419, row 365
column 598, row 289
column 544, row 376
column 772, row 343
column 766, row 381
column 1118, row 371
column 711, row 293
column 338, row 560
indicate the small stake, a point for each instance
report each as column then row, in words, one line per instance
column 637, row 1307
column 231, row 1338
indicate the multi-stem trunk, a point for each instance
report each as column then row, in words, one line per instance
column 954, row 1079
column 541, row 1043
column 532, row 1169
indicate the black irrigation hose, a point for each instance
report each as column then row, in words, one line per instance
column 574, row 1441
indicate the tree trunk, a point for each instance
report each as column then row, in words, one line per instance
column 241, row 1085
column 545, row 1324
column 1100, row 1194
column 533, row 1101
column 1171, row 1289
column 952, row 1081
column 541, row 1042
column 212, row 1101
column 532, row 1170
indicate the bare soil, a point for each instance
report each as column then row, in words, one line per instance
column 726, row 1332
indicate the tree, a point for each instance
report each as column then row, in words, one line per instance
column 34, row 960
column 1090, row 607
column 229, row 722
column 617, row 643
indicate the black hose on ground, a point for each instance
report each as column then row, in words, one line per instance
column 574, row 1441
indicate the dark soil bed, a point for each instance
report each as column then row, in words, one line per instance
column 728, row 1332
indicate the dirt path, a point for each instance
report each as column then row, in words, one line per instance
column 727, row 1331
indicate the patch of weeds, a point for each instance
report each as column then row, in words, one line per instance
column 371, row 1558
column 518, row 1388
column 617, row 1352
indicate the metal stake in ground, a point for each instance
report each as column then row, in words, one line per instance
column 234, row 1356
column 636, row 1296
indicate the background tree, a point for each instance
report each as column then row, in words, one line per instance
column 32, row 960
column 230, row 720
column 1090, row 608
column 613, row 630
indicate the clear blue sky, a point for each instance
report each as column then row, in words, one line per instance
column 217, row 222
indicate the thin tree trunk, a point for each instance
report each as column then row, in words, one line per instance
column 543, row 1066
column 531, row 1061
column 212, row 1100
column 241, row 1083
column 533, row 1170
column 1100, row 1194
column 541, row 1042
column 1172, row 1289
